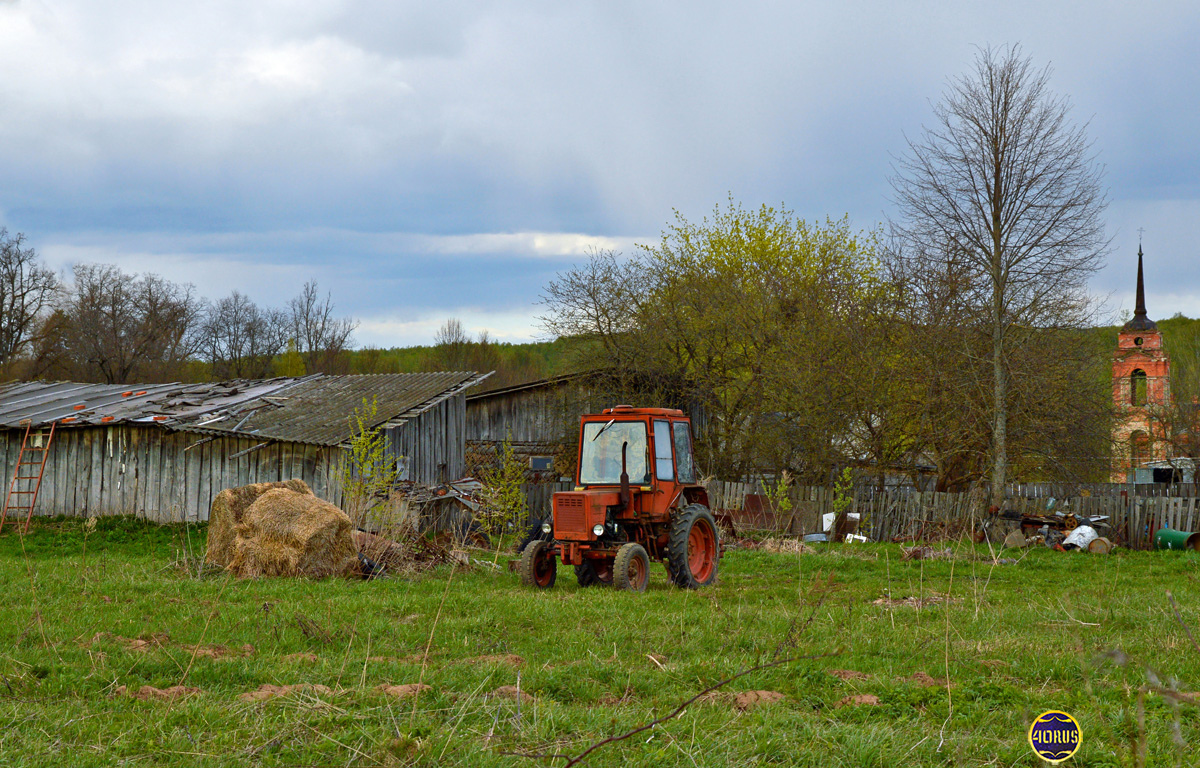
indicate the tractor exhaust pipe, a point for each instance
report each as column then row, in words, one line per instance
column 624, row 477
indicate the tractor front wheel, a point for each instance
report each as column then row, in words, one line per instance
column 631, row 568
column 694, row 547
column 594, row 573
column 539, row 566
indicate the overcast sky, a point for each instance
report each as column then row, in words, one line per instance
column 428, row 160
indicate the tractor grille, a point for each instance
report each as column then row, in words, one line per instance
column 570, row 515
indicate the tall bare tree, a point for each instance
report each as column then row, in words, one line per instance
column 26, row 289
column 121, row 327
column 320, row 335
column 451, row 345
column 1007, row 192
column 240, row 338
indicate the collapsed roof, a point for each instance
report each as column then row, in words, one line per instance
column 312, row 409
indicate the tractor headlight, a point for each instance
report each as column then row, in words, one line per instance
column 547, row 528
column 598, row 529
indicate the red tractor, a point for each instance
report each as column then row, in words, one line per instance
column 636, row 498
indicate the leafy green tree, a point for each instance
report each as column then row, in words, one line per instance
column 367, row 470
column 747, row 317
column 291, row 362
column 508, row 511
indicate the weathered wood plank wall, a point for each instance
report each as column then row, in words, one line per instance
column 145, row 470
column 430, row 446
column 546, row 414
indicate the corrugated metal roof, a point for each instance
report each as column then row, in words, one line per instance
column 313, row 409
column 318, row 411
column 72, row 404
column 553, row 381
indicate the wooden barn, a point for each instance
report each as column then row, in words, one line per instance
column 537, row 417
column 163, row 451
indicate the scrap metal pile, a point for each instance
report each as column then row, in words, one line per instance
column 1060, row 530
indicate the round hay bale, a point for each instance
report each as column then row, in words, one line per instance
column 285, row 533
column 228, row 510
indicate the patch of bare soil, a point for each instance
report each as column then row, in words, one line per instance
column 303, row 656
column 848, row 674
column 751, row 699
column 143, row 643
column 267, row 691
column 218, row 652
column 512, row 692
column 926, row 681
column 511, row 659
column 859, row 700
column 150, row 693
column 403, row 691
column 914, row 602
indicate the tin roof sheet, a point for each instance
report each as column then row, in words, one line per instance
column 313, row 409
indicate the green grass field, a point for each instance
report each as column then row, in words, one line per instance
column 1012, row 639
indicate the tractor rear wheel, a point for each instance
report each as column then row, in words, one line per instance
column 694, row 547
column 538, row 566
column 594, row 573
column 631, row 568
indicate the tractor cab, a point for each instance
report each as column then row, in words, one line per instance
column 635, row 492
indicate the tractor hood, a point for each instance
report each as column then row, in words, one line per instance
column 577, row 512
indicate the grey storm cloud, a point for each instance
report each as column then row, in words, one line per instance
column 424, row 160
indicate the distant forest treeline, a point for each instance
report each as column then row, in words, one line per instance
column 102, row 324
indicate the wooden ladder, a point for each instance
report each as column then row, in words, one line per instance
column 23, row 490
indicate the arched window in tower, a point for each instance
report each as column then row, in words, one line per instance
column 1139, row 448
column 1137, row 387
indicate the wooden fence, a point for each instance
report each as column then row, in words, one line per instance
column 1067, row 490
column 1133, row 519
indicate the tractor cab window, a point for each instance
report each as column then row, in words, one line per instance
column 600, row 460
column 664, row 464
column 683, row 452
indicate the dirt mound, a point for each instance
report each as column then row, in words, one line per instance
column 268, row 691
column 750, row 699
column 859, row 700
column 150, row 693
column 218, row 652
column 143, row 643
column 403, row 691
column 228, row 511
column 847, row 674
column 511, row 659
column 926, row 681
column 286, row 533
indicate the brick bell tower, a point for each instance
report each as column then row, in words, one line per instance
column 1141, row 374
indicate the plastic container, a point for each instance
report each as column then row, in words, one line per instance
column 1165, row 538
